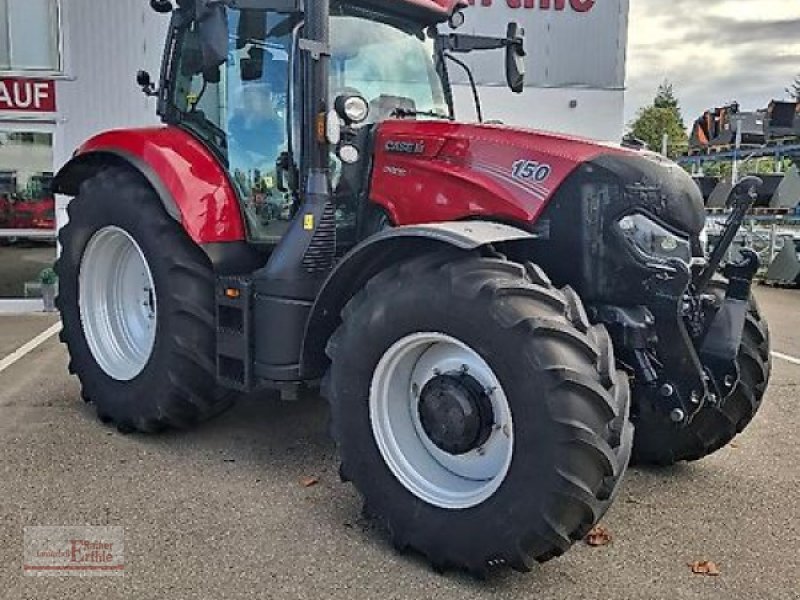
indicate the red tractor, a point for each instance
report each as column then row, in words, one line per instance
column 489, row 310
column 34, row 214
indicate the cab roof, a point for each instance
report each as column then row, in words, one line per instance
column 425, row 12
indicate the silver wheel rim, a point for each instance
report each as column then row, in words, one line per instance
column 433, row 475
column 117, row 299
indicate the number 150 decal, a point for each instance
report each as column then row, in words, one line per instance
column 531, row 170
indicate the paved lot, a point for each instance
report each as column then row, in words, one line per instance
column 220, row 512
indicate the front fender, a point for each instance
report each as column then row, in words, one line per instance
column 377, row 253
column 189, row 179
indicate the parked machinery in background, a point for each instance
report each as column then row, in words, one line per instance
column 31, row 208
column 716, row 129
column 785, row 268
column 783, row 120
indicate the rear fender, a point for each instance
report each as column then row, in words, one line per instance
column 191, row 182
column 378, row 253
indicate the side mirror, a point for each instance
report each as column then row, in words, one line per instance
column 252, row 68
column 144, row 81
column 515, row 58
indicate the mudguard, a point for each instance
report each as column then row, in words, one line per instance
column 188, row 177
column 377, row 253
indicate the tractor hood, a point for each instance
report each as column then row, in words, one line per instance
column 458, row 171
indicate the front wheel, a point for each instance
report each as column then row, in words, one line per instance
column 477, row 411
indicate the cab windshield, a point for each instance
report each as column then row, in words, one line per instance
column 388, row 66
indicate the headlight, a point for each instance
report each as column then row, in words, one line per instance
column 352, row 108
column 653, row 239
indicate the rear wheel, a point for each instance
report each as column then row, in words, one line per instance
column 136, row 298
column 658, row 441
column 477, row 411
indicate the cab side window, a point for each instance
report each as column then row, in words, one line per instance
column 243, row 115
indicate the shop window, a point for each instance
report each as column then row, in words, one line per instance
column 29, row 35
column 27, row 212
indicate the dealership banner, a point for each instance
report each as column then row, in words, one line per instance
column 21, row 94
column 570, row 43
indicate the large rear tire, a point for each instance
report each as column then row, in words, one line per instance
column 658, row 441
column 557, row 441
column 136, row 299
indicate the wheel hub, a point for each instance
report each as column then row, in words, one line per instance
column 118, row 303
column 456, row 413
column 441, row 420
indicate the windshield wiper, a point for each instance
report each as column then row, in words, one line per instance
column 410, row 112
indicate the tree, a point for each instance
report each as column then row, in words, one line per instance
column 794, row 89
column 662, row 117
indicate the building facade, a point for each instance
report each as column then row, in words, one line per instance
column 576, row 58
column 67, row 71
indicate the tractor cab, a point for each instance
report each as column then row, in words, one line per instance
column 233, row 78
column 248, row 109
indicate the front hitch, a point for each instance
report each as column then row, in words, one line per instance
column 682, row 386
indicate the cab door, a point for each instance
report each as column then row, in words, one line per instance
column 242, row 112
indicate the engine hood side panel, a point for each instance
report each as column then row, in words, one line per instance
column 439, row 171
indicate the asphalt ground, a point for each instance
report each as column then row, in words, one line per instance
column 222, row 512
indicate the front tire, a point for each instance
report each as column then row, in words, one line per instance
column 136, row 299
column 520, row 485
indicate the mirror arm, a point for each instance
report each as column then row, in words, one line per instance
column 456, row 42
column 472, row 83
column 463, row 43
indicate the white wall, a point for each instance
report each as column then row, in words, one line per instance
column 571, row 55
column 598, row 114
column 105, row 44
column 564, row 47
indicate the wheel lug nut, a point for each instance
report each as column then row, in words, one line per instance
column 667, row 390
column 677, row 416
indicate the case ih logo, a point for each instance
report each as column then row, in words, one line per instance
column 401, row 147
column 27, row 95
column 580, row 6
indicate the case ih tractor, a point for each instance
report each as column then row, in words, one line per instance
column 489, row 310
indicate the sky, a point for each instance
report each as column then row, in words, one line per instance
column 713, row 51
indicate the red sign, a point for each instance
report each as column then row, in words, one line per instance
column 27, row 95
column 580, row 6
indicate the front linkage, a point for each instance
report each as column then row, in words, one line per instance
column 682, row 344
